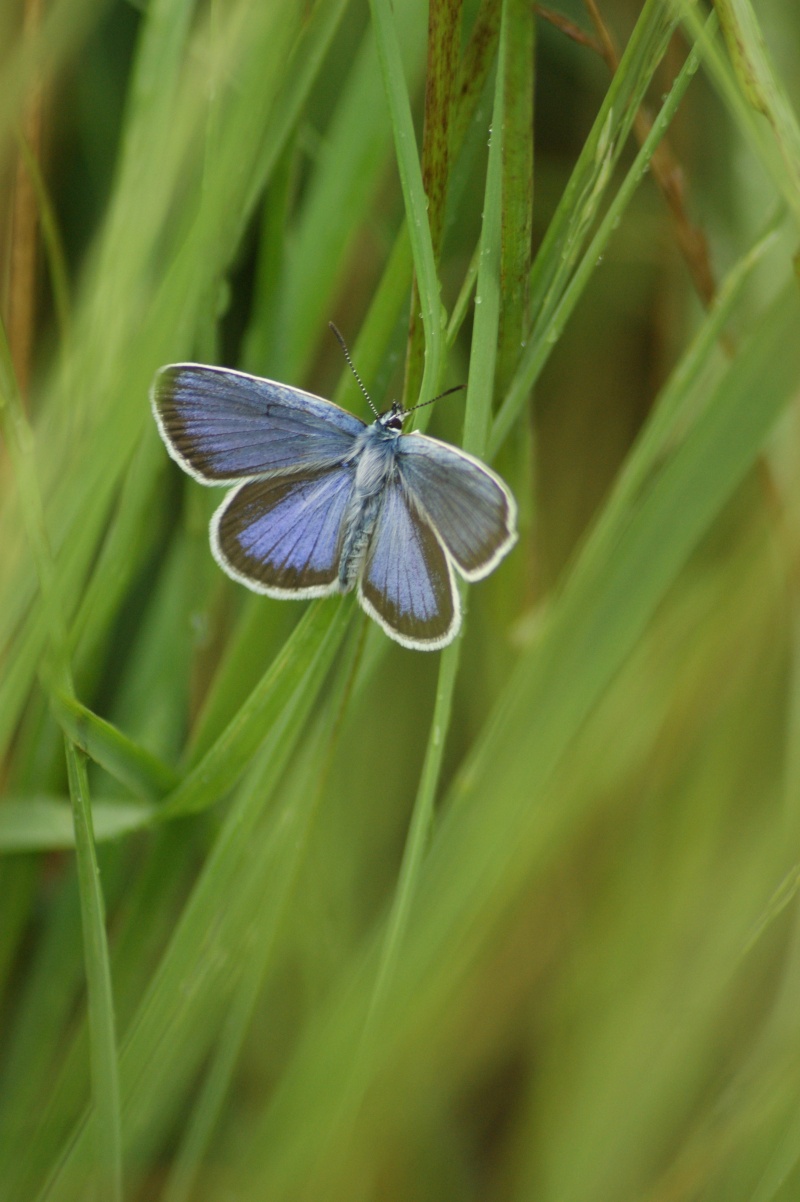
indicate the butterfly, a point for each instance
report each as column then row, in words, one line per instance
column 324, row 503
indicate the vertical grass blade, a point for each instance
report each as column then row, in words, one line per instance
column 107, row 1169
column 413, row 193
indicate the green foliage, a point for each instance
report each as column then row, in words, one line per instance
column 289, row 912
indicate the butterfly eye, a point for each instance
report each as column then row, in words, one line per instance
column 395, row 422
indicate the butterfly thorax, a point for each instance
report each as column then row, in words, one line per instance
column 374, row 461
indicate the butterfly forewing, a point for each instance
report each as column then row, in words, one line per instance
column 282, row 535
column 407, row 584
column 222, row 425
column 471, row 509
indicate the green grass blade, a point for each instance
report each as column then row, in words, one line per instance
column 550, row 324
column 413, row 194
column 752, row 85
column 483, row 357
column 304, row 797
column 178, row 1019
column 593, row 171
column 105, row 1118
column 416, row 845
column 105, row 1081
column 478, row 408
column 444, row 41
column 133, row 766
column 686, row 393
column 349, row 169
column 53, row 244
column 45, row 824
column 123, row 550
column 309, row 51
column 517, row 190
column 273, row 705
column 624, row 570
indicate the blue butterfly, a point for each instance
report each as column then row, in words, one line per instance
column 324, row 503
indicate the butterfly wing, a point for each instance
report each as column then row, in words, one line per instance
column 282, row 535
column 406, row 583
column 222, row 425
column 470, row 508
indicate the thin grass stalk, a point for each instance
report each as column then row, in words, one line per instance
column 517, row 222
column 304, row 803
column 413, row 195
column 762, row 86
column 778, row 153
column 547, row 332
column 444, row 36
column 106, row 1116
column 478, row 408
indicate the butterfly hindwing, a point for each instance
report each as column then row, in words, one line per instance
column 222, row 426
column 470, row 508
column 407, row 583
column 283, row 535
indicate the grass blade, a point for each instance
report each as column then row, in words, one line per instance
column 271, row 706
column 105, row 1080
column 45, row 824
column 413, row 194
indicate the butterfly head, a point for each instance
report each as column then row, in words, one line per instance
column 392, row 420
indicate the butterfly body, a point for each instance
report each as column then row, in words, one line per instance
column 324, row 503
column 374, row 457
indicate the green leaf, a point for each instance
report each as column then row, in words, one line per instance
column 45, row 823
column 144, row 774
column 277, row 704
column 413, row 193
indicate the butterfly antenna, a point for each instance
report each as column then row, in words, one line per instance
column 351, row 365
column 447, row 392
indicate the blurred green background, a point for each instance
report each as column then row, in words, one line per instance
column 288, row 911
